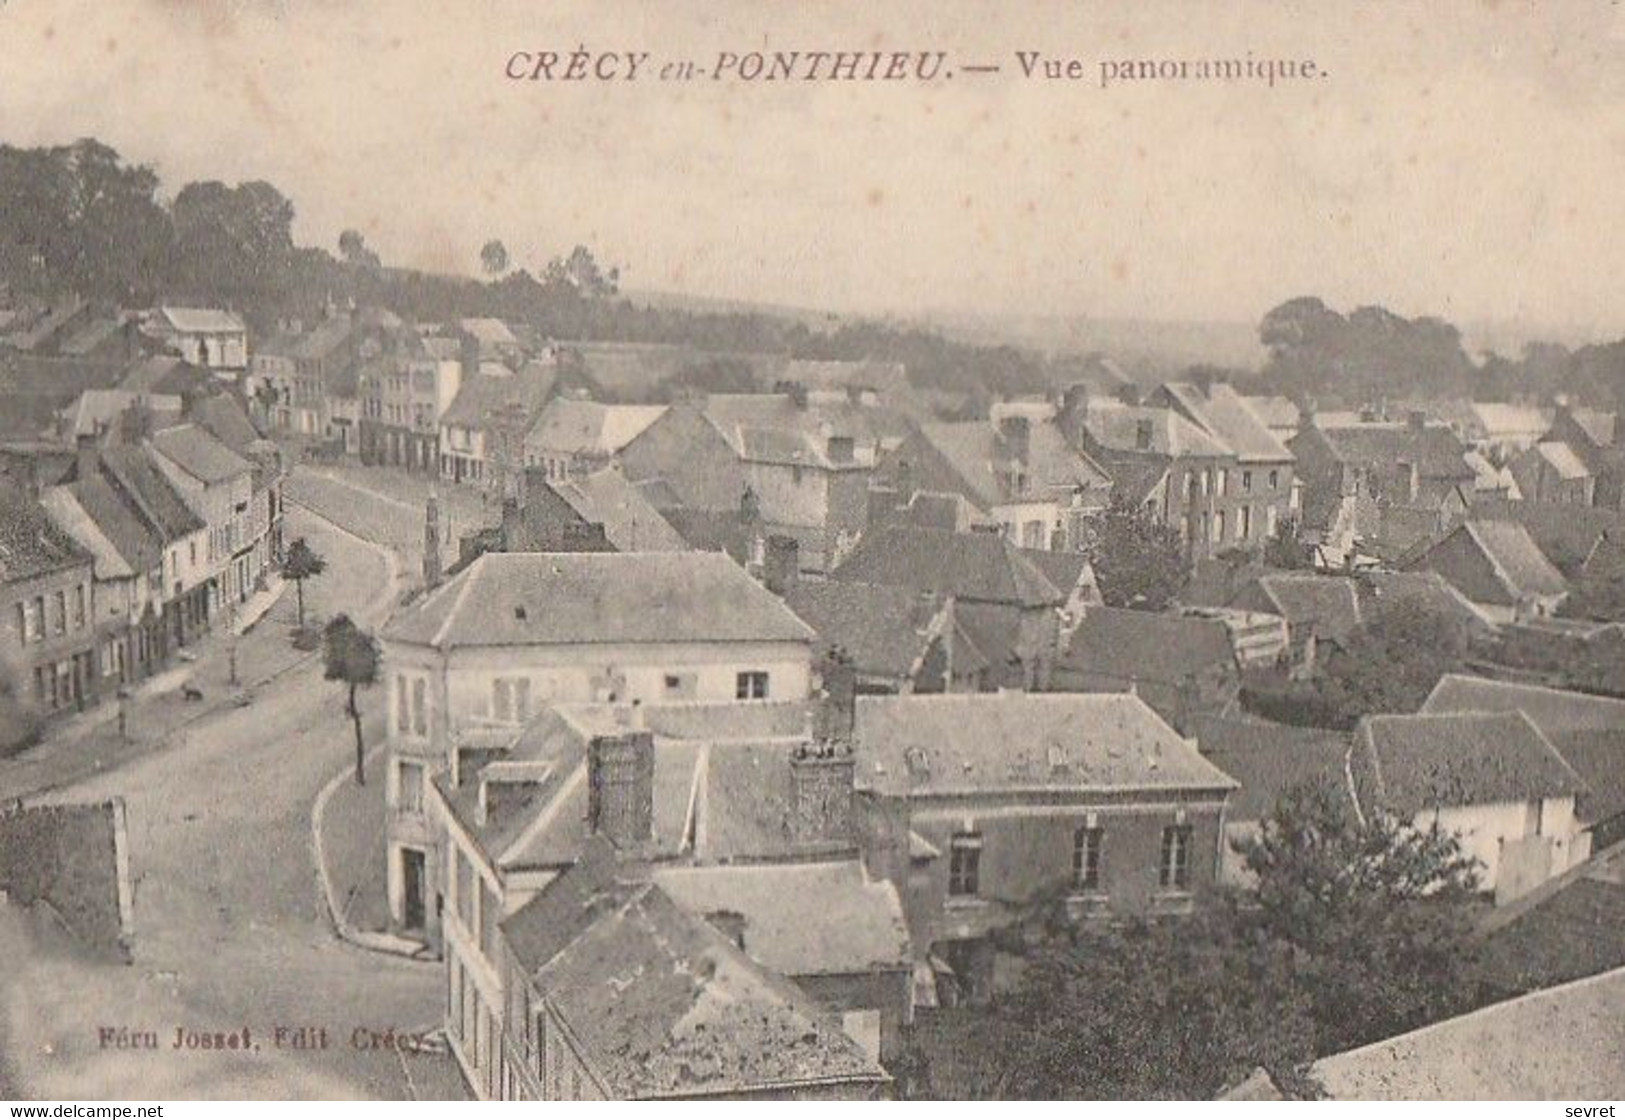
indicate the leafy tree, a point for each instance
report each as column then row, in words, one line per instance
column 581, row 273
column 1392, row 661
column 1377, row 914
column 351, row 655
column 494, row 257
column 233, row 243
column 1284, row 550
column 1138, row 561
column 353, row 248
column 299, row 563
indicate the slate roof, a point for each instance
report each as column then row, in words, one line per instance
column 1279, row 414
column 631, row 522
column 1600, row 427
column 199, row 454
column 138, row 546
column 983, row 743
column 801, row 919
column 161, row 373
column 146, row 485
column 978, row 567
column 1435, row 450
column 1270, row 760
column 1519, row 567
column 1116, row 425
column 483, row 394
column 771, row 427
column 31, row 544
column 662, row 1005
column 1569, row 928
column 1421, row 590
column 1227, row 418
column 1511, row 420
column 224, row 418
column 98, row 410
column 1562, row 459
column 885, row 630
column 1560, row 1043
column 1565, row 533
column 1129, row 645
column 571, row 427
column 1408, row 764
column 1064, row 568
column 1598, row 756
column 1553, row 710
column 538, row 598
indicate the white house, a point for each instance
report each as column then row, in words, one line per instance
column 205, row 336
column 472, row 662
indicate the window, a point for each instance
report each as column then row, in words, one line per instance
column 1222, row 485
column 1176, row 857
column 60, row 616
column 420, row 706
column 510, row 699
column 1218, row 526
column 1246, row 480
column 1244, row 526
column 680, row 685
column 36, row 619
column 79, row 607
column 965, row 864
column 403, row 715
column 409, row 787
column 750, row 686
column 1086, row 858
column 1275, row 479
column 1270, row 520
column 1207, row 482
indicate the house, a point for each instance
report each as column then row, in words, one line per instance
column 1379, row 464
column 1262, row 490
column 482, row 432
column 576, row 437
column 1498, row 567
column 185, row 570
column 1559, row 1043
column 272, row 375
column 1269, row 761
column 1181, row 666
column 1281, row 415
column 405, row 392
column 47, row 586
column 1509, row 428
column 1594, row 437
column 1008, row 607
column 687, row 455
column 469, row 663
column 97, row 411
column 217, row 484
column 975, row 805
column 1552, row 472
column 1566, row 535
column 1317, row 609
column 1490, row 778
column 600, row 512
column 1016, row 469
column 209, row 337
column 738, row 817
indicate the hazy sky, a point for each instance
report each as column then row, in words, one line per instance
column 1460, row 159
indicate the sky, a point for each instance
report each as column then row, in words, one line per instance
column 1457, row 159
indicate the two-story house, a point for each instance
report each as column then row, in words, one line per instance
column 482, row 432
column 217, row 484
column 471, row 662
column 47, row 587
column 571, row 438
column 405, row 391
column 209, row 337
column 184, row 570
column 975, row 806
column 1552, row 471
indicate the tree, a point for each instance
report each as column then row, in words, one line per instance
column 581, row 273
column 1284, row 550
column 1138, row 561
column 494, row 257
column 1392, row 661
column 353, row 248
column 20, row 720
column 1377, row 914
column 351, row 655
column 299, row 563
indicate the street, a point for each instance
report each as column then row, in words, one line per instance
column 230, row 926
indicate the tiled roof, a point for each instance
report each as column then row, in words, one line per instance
column 1118, row 426
column 1562, row 459
column 988, row 743
column 199, row 454
column 1569, row 928
column 1407, row 764
column 31, row 544
column 1553, row 710
column 224, row 418
column 885, row 630
column 1601, row 427
column 663, row 1005
column 1435, row 450
column 98, row 410
column 70, row 516
column 801, row 919
column 324, row 340
column 1129, row 645
column 489, row 332
column 1328, row 603
column 1565, row 533
column 484, row 394
column 1517, row 567
column 537, row 598
column 67, row 857
column 146, row 485
column 139, row 546
column 1224, row 414
column 1427, row 591
column 978, row 567
column 972, row 447
column 1561, row 1043
column 161, row 373
column 1271, row 760
column 631, row 522
column 1598, row 756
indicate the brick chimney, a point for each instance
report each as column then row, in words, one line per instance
column 781, row 567
column 620, row 787
column 841, row 449
column 821, row 792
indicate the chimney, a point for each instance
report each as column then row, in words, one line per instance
column 821, row 792
column 620, row 787
column 782, row 565
column 510, row 524
column 1143, row 433
column 841, row 449
column 1015, row 433
column 431, row 541
column 904, row 479
column 838, row 711
column 88, row 456
column 1074, row 414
